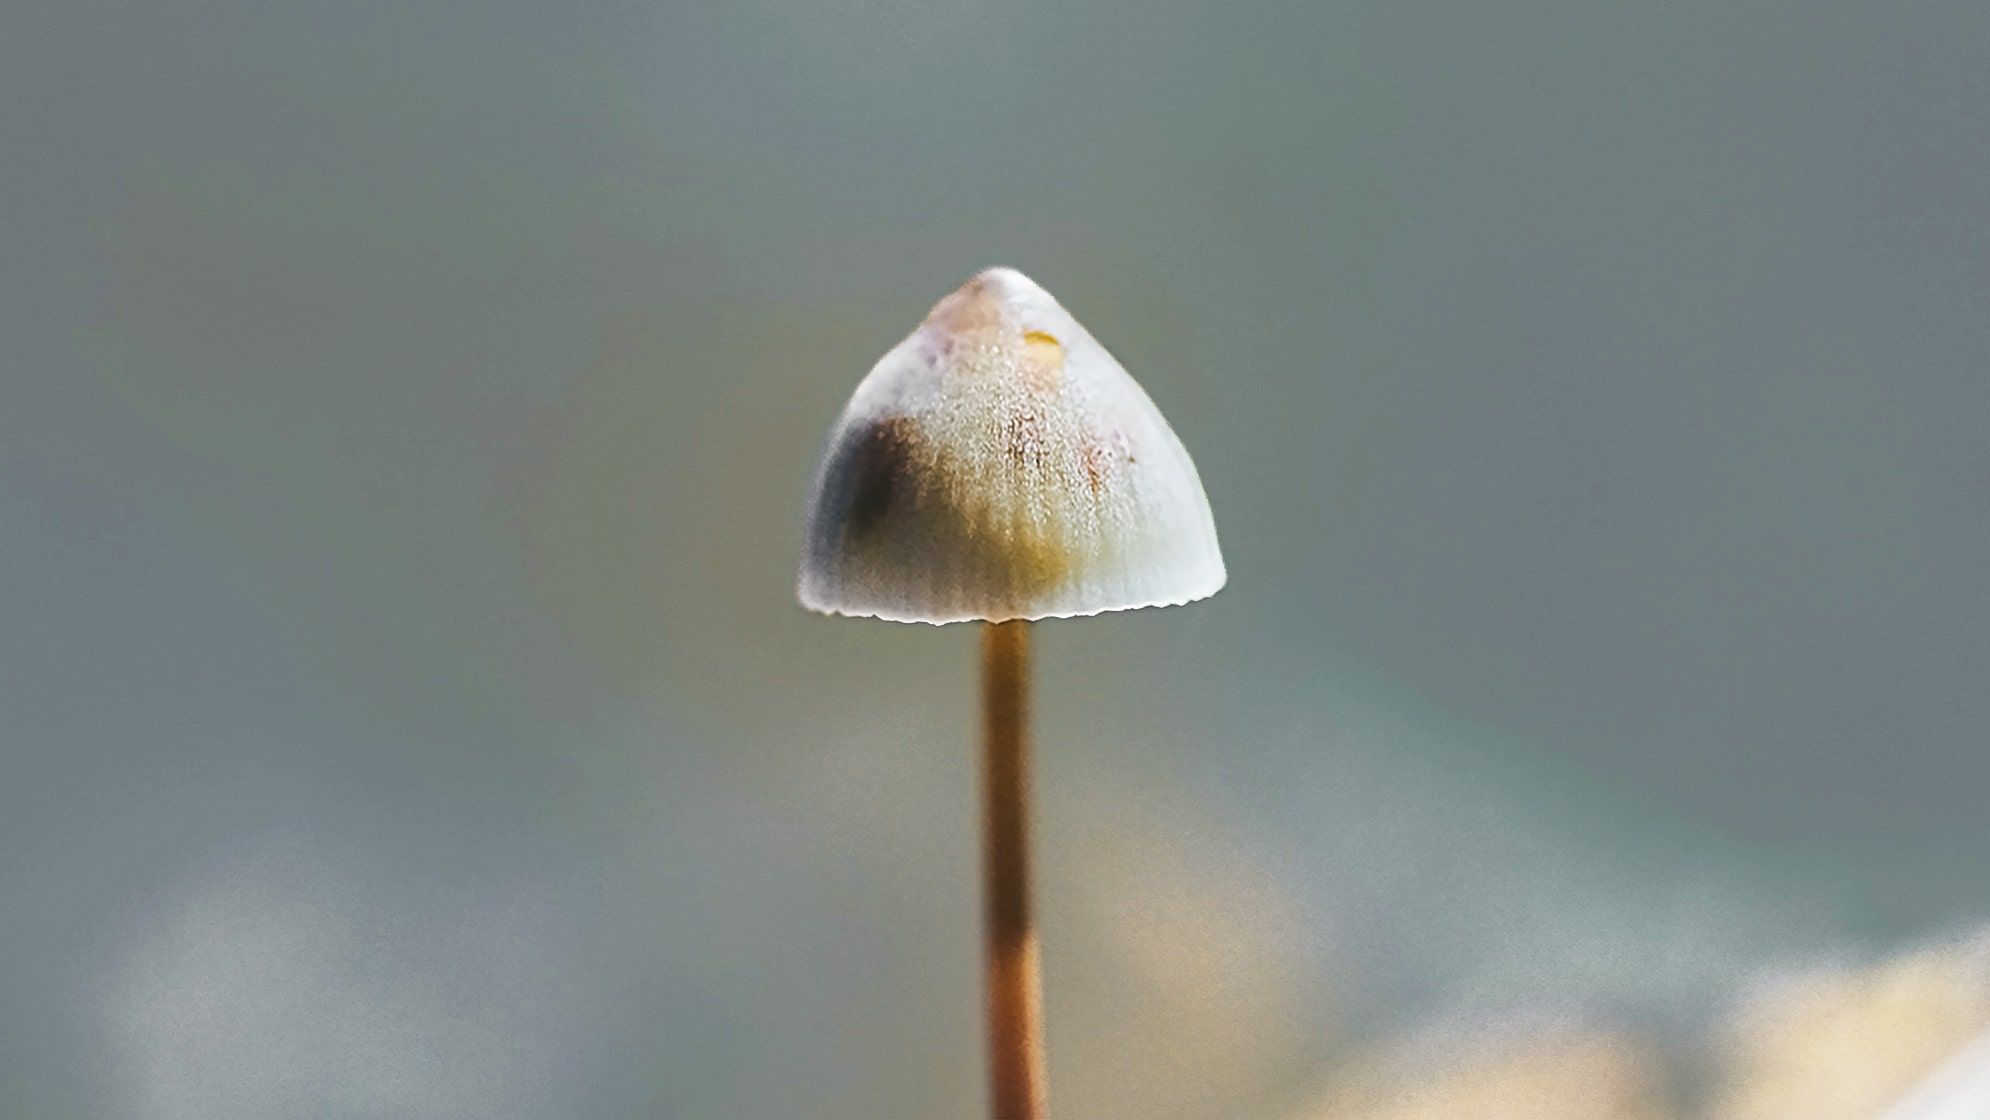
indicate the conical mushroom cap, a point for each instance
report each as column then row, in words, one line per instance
column 1000, row 464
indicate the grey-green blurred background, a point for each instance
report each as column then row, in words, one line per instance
column 405, row 412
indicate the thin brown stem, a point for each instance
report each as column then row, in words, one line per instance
column 1015, row 987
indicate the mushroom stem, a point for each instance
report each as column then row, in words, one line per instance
column 1015, row 987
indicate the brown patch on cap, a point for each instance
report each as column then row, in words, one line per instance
column 882, row 473
column 907, row 494
column 974, row 306
column 1022, row 438
column 1097, row 461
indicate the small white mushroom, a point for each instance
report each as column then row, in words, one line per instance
column 1000, row 464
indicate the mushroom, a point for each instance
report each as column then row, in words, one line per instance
column 1000, row 466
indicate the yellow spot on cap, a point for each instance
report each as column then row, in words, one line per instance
column 1043, row 357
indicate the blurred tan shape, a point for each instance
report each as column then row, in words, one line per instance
column 1849, row 1044
column 1180, row 989
column 1566, row 1075
column 1958, row 1090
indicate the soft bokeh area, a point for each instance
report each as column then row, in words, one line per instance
column 405, row 413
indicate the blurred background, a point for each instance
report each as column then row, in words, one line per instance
column 405, row 415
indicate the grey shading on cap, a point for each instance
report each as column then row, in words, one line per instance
column 1000, row 464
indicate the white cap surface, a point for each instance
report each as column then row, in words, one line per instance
column 1000, row 464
